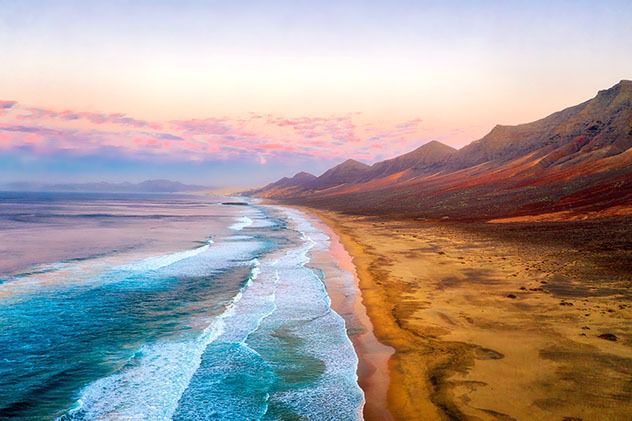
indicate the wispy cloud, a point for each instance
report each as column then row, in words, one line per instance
column 7, row 104
column 39, row 114
column 260, row 138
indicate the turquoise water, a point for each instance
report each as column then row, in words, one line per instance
column 234, row 326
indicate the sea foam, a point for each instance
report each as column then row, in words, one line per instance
column 158, row 262
column 242, row 222
column 277, row 346
column 282, row 348
column 150, row 386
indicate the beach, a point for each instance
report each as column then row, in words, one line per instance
column 270, row 312
column 489, row 322
column 346, row 300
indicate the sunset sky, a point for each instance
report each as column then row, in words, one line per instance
column 239, row 93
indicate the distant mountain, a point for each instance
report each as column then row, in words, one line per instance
column 148, row 186
column 578, row 159
column 168, row 186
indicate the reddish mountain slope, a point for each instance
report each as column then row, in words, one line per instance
column 576, row 159
column 597, row 124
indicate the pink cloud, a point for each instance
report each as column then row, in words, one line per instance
column 7, row 104
column 95, row 118
column 208, row 126
column 215, row 138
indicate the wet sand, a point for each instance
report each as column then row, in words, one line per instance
column 490, row 326
column 346, row 300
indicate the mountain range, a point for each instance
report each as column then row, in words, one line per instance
column 575, row 161
column 147, row 186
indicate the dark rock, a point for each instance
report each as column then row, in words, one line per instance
column 235, row 203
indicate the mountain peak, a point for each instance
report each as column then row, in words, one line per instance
column 623, row 88
column 435, row 145
column 624, row 83
column 602, row 122
column 298, row 179
column 425, row 159
column 619, row 97
column 348, row 166
column 350, row 163
column 431, row 151
column 303, row 175
column 350, row 171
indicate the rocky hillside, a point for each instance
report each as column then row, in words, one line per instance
column 575, row 160
column 426, row 159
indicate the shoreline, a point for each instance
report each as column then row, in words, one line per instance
column 479, row 315
column 347, row 300
column 415, row 384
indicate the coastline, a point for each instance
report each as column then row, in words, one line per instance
column 394, row 400
column 347, row 300
column 486, row 323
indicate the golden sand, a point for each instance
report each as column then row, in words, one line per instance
column 488, row 329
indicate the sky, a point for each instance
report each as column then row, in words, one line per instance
column 240, row 93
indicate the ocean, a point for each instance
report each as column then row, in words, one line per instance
column 160, row 307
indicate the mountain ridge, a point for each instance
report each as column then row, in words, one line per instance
column 425, row 158
column 513, row 170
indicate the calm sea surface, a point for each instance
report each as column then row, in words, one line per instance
column 142, row 307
